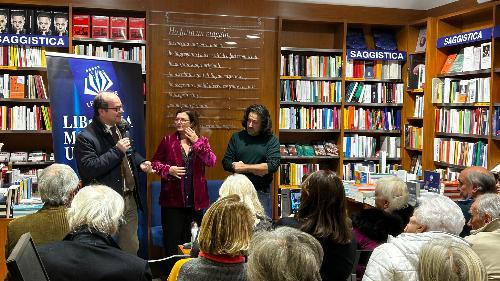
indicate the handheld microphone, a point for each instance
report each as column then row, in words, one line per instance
column 124, row 128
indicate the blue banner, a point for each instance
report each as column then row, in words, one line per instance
column 74, row 81
column 375, row 55
column 496, row 31
column 465, row 38
column 34, row 40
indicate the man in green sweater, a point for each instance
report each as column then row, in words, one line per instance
column 255, row 153
column 57, row 184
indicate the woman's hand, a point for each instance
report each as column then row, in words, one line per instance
column 177, row 172
column 191, row 135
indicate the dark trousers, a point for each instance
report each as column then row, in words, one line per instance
column 176, row 224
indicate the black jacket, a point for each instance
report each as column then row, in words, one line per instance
column 92, row 256
column 98, row 159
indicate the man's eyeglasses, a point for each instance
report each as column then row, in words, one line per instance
column 117, row 109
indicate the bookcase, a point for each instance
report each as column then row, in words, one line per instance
column 462, row 97
column 310, row 98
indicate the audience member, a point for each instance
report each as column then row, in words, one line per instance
column 472, row 182
column 391, row 195
column 436, row 218
column 323, row 214
column 57, row 184
column 89, row 252
column 240, row 185
column 284, row 254
column 448, row 261
column 224, row 239
column 485, row 234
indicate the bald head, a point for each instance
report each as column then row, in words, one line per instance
column 474, row 181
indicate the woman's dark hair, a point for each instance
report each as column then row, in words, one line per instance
column 322, row 211
column 265, row 118
column 194, row 118
column 377, row 224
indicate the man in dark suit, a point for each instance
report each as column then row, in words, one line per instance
column 104, row 155
column 88, row 253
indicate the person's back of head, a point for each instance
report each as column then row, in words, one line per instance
column 393, row 193
column 445, row 260
column 284, row 254
column 323, row 211
column 240, row 185
column 437, row 212
column 57, row 183
column 96, row 208
column 226, row 227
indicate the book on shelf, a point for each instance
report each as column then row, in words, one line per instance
column 21, row 21
column 43, row 24
column 5, row 26
column 355, row 146
column 331, row 148
column 496, row 122
column 416, row 72
column 25, row 118
column 136, row 28
column 359, row 92
column 81, row 26
column 293, row 173
column 19, row 156
column 100, row 26
column 448, row 63
column 419, row 107
column 381, row 69
column 32, row 87
column 391, row 145
column 298, row 64
column 416, row 165
column 486, row 55
column 413, row 192
column 289, row 201
column 414, row 136
column 460, row 153
column 17, row 87
column 61, row 23
column 458, row 63
column 118, row 28
column 22, row 56
column 283, row 150
column 432, row 181
column 421, row 40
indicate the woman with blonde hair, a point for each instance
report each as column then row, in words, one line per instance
column 224, row 238
column 240, row 185
column 445, row 260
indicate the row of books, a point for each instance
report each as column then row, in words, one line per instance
column 28, row 21
column 372, row 119
column 309, row 118
column 450, row 90
column 327, row 148
column 359, row 146
column 373, row 69
column 470, row 58
column 419, row 107
column 416, row 165
column 414, row 137
column 311, row 91
column 374, row 93
column 349, row 169
column 288, row 201
column 461, row 153
column 109, row 51
column 25, row 118
column 416, row 72
column 22, row 87
column 462, row 121
column 292, row 173
column 114, row 27
column 22, row 56
column 293, row 64
column 24, row 156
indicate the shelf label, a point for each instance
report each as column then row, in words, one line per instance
column 34, row 40
column 375, row 55
column 465, row 38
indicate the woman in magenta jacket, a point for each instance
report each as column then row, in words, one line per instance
column 180, row 160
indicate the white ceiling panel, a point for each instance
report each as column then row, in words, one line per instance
column 400, row 4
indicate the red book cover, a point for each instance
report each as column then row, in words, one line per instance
column 81, row 26
column 136, row 28
column 118, row 28
column 100, row 27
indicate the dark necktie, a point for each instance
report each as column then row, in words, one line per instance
column 125, row 166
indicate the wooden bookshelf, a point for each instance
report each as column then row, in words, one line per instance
column 302, row 103
column 455, row 135
column 371, row 159
column 484, row 72
column 34, row 101
column 373, row 104
column 388, row 132
column 310, row 78
column 466, row 105
column 106, row 40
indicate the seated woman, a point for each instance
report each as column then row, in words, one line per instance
column 446, row 260
column 240, row 185
column 323, row 214
column 391, row 195
column 224, row 239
